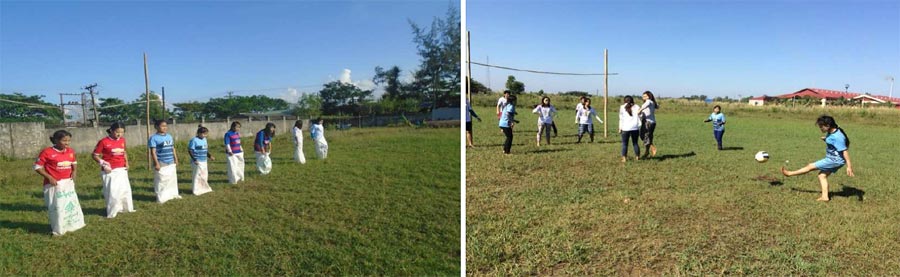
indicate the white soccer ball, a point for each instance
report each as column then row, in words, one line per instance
column 762, row 156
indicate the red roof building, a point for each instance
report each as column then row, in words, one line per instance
column 835, row 94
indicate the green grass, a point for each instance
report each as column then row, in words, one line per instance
column 576, row 209
column 386, row 202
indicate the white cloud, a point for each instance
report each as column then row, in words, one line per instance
column 345, row 77
column 365, row 84
column 291, row 95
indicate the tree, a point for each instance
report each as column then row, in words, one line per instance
column 35, row 110
column 514, row 87
column 235, row 105
column 439, row 47
column 310, row 105
column 340, row 98
column 393, row 87
column 139, row 108
column 478, row 87
column 115, row 110
column 189, row 111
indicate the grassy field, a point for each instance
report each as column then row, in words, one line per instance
column 386, row 202
column 692, row 210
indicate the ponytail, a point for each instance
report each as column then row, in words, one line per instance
column 825, row 120
column 846, row 138
column 629, row 102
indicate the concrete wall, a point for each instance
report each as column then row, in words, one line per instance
column 25, row 139
column 22, row 139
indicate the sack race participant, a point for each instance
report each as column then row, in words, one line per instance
column 235, row 159
column 317, row 132
column 298, row 142
column 57, row 165
column 198, row 148
column 110, row 154
column 162, row 148
column 262, row 147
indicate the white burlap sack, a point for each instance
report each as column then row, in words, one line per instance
column 235, row 169
column 201, row 178
column 63, row 207
column 117, row 192
column 165, row 182
column 321, row 148
column 263, row 163
column 298, row 153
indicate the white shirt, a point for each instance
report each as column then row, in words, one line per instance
column 545, row 114
column 583, row 116
column 649, row 110
column 629, row 122
column 577, row 110
column 501, row 103
column 318, row 132
column 298, row 136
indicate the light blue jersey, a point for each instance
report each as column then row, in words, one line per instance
column 718, row 121
column 835, row 145
column 165, row 147
column 199, row 149
column 508, row 116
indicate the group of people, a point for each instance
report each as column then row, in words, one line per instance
column 57, row 164
column 640, row 122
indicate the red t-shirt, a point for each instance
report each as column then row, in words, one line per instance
column 57, row 163
column 113, row 151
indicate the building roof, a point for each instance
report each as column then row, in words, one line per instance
column 832, row 94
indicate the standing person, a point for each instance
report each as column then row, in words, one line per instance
column 837, row 153
column 165, row 159
column 262, row 147
column 469, row 114
column 718, row 122
column 57, row 165
column 508, row 121
column 198, row 148
column 501, row 103
column 235, row 168
column 110, row 154
column 298, row 142
column 545, row 112
column 585, row 118
column 317, row 132
column 648, row 122
column 629, row 126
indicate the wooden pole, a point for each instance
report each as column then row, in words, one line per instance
column 469, row 63
column 605, row 92
column 147, row 94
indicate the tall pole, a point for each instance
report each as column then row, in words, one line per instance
column 62, row 108
column 469, row 65
column 489, row 75
column 93, row 103
column 83, row 111
column 165, row 113
column 605, row 92
column 147, row 94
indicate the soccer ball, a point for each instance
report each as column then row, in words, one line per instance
column 762, row 156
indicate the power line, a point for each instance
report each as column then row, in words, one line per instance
column 541, row 72
column 32, row 105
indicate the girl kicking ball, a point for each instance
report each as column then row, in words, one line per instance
column 836, row 155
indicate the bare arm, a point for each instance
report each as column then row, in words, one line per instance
column 849, row 166
column 74, row 171
column 155, row 159
column 44, row 173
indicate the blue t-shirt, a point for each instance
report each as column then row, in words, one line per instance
column 718, row 121
column 835, row 145
column 165, row 147
column 508, row 115
column 199, row 149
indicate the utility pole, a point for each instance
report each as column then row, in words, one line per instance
column 90, row 88
column 489, row 74
column 83, row 110
column 63, row 104
column 165, row 113
column 62, row 109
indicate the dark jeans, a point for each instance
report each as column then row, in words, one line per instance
column 718, row 135
column 553, row 124
column 647, row 132
column 633, row 135
column 509, row 135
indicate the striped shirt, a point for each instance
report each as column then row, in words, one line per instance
column 233, row 141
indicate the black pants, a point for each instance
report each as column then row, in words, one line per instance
column 553, row 124
column 633, row 135
column 509, row 136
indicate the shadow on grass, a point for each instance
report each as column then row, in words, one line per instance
column 673, row 156
column 846, row 191
column 94, row 211
column 549, row 150
column 731, row 148
column 145, row 198
column 488, row 145
column 31, row 227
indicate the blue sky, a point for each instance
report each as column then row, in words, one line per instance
column 199, row 50
column 674, row 48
